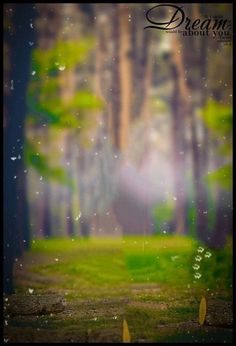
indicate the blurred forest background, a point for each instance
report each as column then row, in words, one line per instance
column 112, row 130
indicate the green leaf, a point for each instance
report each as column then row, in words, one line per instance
column 40, row 163
column 85, row 100
column 218, row 118
column 69, row 54
column 222, row 176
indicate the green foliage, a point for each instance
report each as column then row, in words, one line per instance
column 43, row 98
column 45, row 103
column 64, row 53
column 218, row 117
column 40, row 163
column 55, row 112
column 163, row 215
column 222, row 177
column 85, row 101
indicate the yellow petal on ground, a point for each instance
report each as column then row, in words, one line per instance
column 126, row 334
column 202, row 311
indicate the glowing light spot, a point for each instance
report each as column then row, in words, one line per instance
column 208, row 254
column 200, row 249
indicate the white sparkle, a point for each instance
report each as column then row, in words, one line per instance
column 78, row 217
column 61, row 68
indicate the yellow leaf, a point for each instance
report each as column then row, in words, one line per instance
column 126, row 334
column 202, row 311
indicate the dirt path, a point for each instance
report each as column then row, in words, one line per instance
column 52, row 318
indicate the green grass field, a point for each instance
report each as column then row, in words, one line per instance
column 148, row 281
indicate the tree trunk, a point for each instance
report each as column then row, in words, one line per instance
column 69, row 206
column 46, row 223
column 196, row 58
column 142, row 64
column 115, row 123
column 15, row 109
column 23, row 233
column 125, row 75
column 200, row 190
column 84, row 227
column 223, row 223
column 180, row 109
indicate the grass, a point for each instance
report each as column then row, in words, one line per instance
column 107, row 267
column 153, row 277
column 201, row 337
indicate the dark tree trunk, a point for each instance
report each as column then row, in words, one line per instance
column 46, row 223
column 84, row 227
column 47, row 190
column 199, row 188
column 115, row 102
column 141, row 68
column 19, row 36
column 83, row 221
column 70, row 223
column 224, row 220
column 179, row 148
column 23, row 230
column 203, row 73
column 195, row 58
column 9, row 206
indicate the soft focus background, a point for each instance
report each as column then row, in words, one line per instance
column 116, row 139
